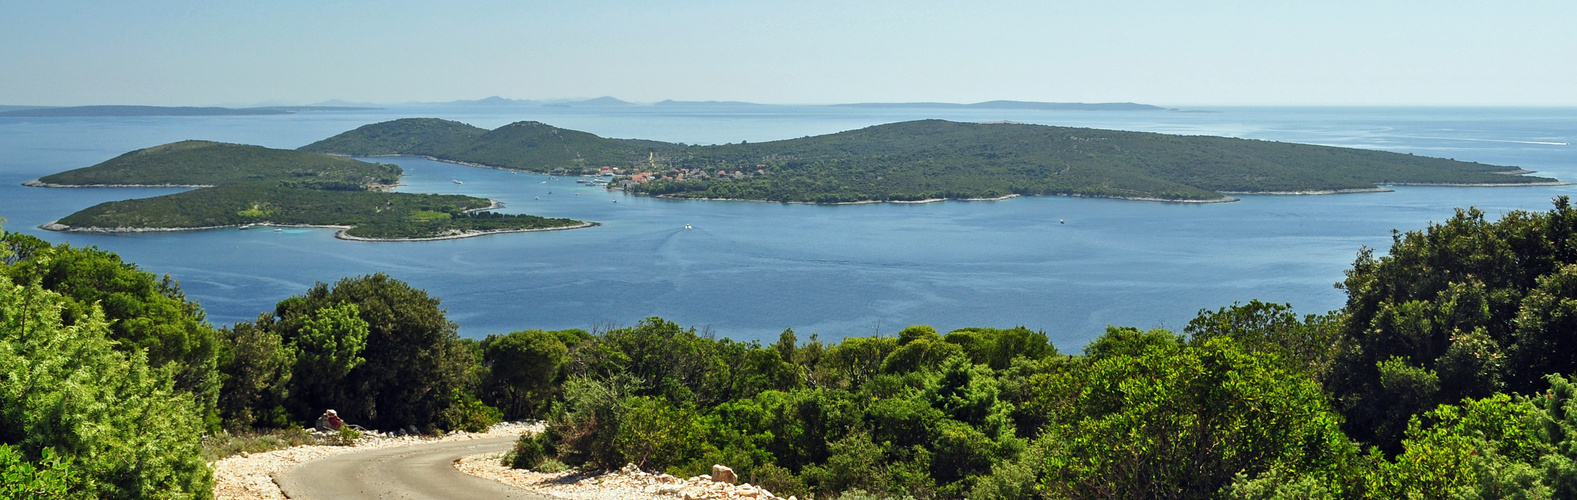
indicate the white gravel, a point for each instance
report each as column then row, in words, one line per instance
column 251, row 477
column 627, row 483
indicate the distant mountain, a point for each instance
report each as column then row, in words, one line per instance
column 671, row 102
column 1050, row 106
column 74, row 111
column 494, row 101
column 601, row 101
column 522, row 145
column 929, row 159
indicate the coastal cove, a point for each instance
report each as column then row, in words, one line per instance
column 749, row 270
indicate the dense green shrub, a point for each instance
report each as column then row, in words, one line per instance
column 1154, row 419
column 529, row 451
column 258, row 366
column 413, row 357
column 522, row 368
column 144, row 311
column 67, row 389
column 467, row 413
column 1461, row 309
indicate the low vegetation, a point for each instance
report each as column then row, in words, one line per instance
column 1446, row 375
column 370, row 214
column 928, row 159
column 257, row 185
column 209, row 163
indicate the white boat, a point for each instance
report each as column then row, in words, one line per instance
column 687, row 226
column 1062, row 221
column 456, row 181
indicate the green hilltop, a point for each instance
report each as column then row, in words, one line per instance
column 529, row 145
column 253, row 185
column 206, row 163
column 930, row 159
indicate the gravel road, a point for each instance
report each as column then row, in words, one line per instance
column 425, row 472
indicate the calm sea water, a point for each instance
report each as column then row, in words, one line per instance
column 750, row 270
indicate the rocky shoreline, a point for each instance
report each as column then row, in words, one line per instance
column 39, row 183
column 466, row 234
column 56, row 226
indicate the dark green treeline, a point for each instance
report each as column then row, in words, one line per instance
column 1445, row 375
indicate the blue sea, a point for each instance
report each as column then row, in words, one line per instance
column 1067, row 266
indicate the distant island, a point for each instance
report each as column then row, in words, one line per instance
column 929, row 160
column 245, row 186
column 1045, row 106
column 70, row 111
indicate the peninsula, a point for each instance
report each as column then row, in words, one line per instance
column 244, row 186
column 929, row 160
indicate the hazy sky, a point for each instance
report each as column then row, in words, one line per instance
column 1438, row 52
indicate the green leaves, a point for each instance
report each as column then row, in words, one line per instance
column 1482, row 306
column 65, row 388
column 330, row 343
column 1156, row 421
column 51, row 477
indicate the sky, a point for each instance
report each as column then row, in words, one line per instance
column 1333, row 52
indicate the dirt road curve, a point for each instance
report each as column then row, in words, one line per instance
column 421, row 472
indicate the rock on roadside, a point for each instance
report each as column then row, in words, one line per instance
column 627, row 483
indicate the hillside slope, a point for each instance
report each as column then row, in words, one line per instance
column 207, row 163
column 931, row 159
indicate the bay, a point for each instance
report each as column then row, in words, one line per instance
column 1068, row 266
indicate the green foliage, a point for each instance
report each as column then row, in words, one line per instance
column 208, row 163
column 522, row 368
column 66, row 388
column 414, row 359
column 998, row 348
column 257, row 366
column 1129, row 341
column 144, row 312
column 51, row 477
column 1306, row 344
column 654, row 434
column 327, row 347
column 529, row 452
column 257, row 185
column 1152, row 419
column 1481, row 444
column 927, row 159
column 584, row 426
column 373, row 214
column 522, row 145
column 347, row 436
column 1474, row 307
column 467, row 413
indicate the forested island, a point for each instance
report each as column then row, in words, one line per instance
column 929, row 160
column 243, row 186
column 1446, row 374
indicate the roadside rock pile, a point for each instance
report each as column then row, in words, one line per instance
column 628, row 482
